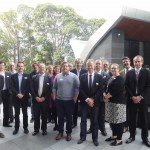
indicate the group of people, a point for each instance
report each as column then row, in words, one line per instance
column 114, row 96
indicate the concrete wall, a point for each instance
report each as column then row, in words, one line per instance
column 147, row 53
column 103, row 49
column 111, row 47
column 117, row 46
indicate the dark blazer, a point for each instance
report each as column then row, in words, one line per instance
column 116, row 89
column 143, row 84
column 82, row 71
column 8, row 81
column 106, row 77
column 1, row 86
column 25, row 85
column 96, row 92
column 47, row 87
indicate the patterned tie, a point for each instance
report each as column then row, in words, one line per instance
column 137, row 74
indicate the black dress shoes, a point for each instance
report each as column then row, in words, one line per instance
column 44, row 132
column 129, row 140
column 110, row 139
column 35, row 133
column 81, row 141
column 115, row 143
column 95, row 142
column 89, row 131
column 26, row 131
column 2, row 135
column 104, row 133
column 147, row 143
column 15, row 131
column 7, row 125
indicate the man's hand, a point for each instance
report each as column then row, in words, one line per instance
column 136, row 99
column 42, row 99
column 90, row 102
column 38, row 99
column 20, row 96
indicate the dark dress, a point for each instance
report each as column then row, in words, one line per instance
column 115, row 111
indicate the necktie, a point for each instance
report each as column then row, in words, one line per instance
column 41, row 79
column 90, row 82
column 137, row 74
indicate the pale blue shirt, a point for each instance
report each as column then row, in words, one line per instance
column 20, row 81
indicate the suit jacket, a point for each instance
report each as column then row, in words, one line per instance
column 123, row 73
column 82, row 71
column 96, row 91
column 47, row 87
column 106, row 77
column 8, row 81
column 143, row 84
column 116, row 89
column 25, row 85
column 1, row 86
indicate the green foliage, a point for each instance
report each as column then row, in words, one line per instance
column 42, row 34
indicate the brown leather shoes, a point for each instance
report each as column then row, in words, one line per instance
column 59, row 136
column 68, row 137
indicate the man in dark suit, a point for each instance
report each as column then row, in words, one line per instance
column 106, row 68
column 91, row 85
column 11, row 113
column 41, row 86
column 35, row 70
column 5, row 94
column 105, row 75
column 138, row 90
column 78, row 71
column 20, row 91
column 127, row 67
column 1, row 87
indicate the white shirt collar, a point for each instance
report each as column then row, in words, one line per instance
column 91, row 74
column 138, row 69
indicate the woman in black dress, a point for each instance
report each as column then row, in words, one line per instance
column 115, row 111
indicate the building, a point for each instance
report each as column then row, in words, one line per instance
column 127, row 34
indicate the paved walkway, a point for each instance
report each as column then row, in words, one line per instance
column 48, row 142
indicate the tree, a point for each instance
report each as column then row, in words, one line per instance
column 10, row 34
column 43, row 34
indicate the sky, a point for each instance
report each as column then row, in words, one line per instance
column 86, row 8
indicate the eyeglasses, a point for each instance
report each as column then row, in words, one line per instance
column 114, row 68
